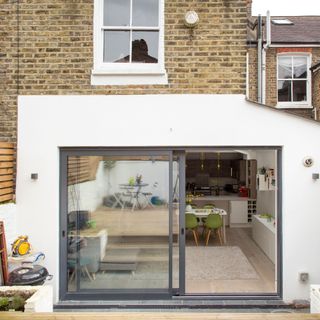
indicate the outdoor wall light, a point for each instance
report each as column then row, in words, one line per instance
column 308, row 161
column 191, row 19
column 34, row 176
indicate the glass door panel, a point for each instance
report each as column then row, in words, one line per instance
column 118, row 222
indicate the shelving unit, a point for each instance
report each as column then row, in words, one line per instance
column 266, row 181
column 252, row 209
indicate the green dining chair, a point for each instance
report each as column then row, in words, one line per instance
column 213, row 223
column 207, row 206
column 192, row 224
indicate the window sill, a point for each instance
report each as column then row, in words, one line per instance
column 128, row 77
column 293, row 106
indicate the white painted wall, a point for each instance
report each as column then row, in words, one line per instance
column 266, row 200
column 8, row 215
column 152, row 173
column 47, row 123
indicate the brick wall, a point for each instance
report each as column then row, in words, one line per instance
column 253, row 79
column 316, row 92
column 271, row 77
column 56, row 51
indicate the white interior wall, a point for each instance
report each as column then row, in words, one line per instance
column 167, row 120
column 266, row 200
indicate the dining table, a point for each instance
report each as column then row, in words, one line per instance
column 203, row 213
column 135, row 191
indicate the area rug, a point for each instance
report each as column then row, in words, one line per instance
column 218, row 263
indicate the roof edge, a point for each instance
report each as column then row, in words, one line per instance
column 282, row 111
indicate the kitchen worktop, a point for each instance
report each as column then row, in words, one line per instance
column 231, row 197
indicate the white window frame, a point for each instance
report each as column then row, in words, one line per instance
column 104, row 73
column 296, row 104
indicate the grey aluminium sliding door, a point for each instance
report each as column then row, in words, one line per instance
column 119, row 213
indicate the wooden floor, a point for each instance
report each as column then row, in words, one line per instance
column 265, row 269
column 146, row 222
column 157, row 316
column 149, row 228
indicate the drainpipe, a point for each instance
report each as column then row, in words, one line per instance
column 263, row 76
column 264, row 53
column 247, row 77
column 259, row 58
column 315, row 114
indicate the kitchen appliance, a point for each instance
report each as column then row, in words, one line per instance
column 243, row 192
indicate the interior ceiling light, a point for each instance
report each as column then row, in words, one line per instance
column 202, row 159
column 281, row 21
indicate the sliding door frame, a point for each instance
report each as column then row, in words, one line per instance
column 172, row 293
column 109, row 294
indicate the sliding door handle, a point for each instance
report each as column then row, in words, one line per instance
column 182, row 231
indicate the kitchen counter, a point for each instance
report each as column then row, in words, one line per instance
column 264, row 234
column 231, row 197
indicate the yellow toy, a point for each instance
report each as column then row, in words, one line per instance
column 20, row 246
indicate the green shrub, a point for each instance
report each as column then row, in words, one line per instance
column 4, row 304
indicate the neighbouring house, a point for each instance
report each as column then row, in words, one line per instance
column 143, row 171
column 283, row 55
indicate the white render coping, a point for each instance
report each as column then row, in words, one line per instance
column 40, row 301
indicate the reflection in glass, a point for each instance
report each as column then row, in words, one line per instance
column 116, row 13
column 118, row 222
column 116, row 46
column 145, row 46
column 284, row 68
column 284, row 90
column 300, row 67
column 299, row 90
column 145, row 13
column 175, row 218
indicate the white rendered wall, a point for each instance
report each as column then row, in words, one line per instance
column 8, row 214
column 47, row 123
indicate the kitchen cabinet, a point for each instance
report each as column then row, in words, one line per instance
column 264, row 234
column 251, row 179
column 238, row 212
column 242, row 176
column 234, row 169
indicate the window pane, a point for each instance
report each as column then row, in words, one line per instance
column 284, row 68
column 284, row 90
column 116, row 46
column 116, row 13
column 300, row 67
column 145, row 12
column 299, row 90
column 145, row 46
column 118, row 222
